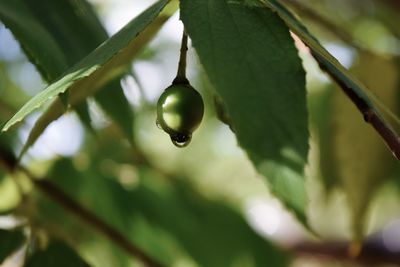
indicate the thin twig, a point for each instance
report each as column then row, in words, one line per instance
column 57, row 195
column 181, row 75
column 371, row 116
column 75, row 208
column 392, row 3
column 324, row 22
column 371, row 254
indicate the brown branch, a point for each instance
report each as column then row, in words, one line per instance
column 371, row 254
column 88, row 217
column 309, row 13
column 371, row 116
column 67, row 203
column 392, row 3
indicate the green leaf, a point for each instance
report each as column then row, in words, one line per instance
column 77, row 34
column 56, row 254
column 164, row 216
column 16, row 16
column 9, row 195
column 10, row 241
column 234, row 243
column 325, row 60
column 103, row 64
column 351, row 125
column 352, row 139
column 250, row 58
column 11, row 96
column 321, row 109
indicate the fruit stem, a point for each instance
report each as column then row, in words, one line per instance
column 181, row 75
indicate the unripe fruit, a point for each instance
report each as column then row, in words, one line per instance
column 180, row 110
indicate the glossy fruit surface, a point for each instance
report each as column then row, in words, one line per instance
column 180, row 110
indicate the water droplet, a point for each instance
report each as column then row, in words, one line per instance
column 180, row 144
column 158, row 124
column 181, row 140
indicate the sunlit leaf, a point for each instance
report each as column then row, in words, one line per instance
column 250, row 58
column 164, row 217
column 9, row 195
column 77, row 34
column 25, row 27
column 360, row 156
column 103, row 64
column 329, row 64
column 321, row 108
column 325, row 60
column 11, row 96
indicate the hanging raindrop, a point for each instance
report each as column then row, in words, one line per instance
column 181, row 140
column 158, row 124
column 180, row 107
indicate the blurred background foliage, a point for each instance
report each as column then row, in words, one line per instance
column 205, row 205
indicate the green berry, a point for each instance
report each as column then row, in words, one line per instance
column 180, row 110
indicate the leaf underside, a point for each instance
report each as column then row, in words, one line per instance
column 103, row 64
column 347, row 122
column 164, row 217
column 250, row 58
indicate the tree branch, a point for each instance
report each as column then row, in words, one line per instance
column 88, row 217
column 371, row 253
column 392, row 3
column 369, row 113
column 309, row 13
column 80, row 212
column 371, row 116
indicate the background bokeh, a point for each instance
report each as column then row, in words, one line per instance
column 361, row 169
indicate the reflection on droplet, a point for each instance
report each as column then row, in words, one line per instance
column 158, row 124
column 181, row 140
